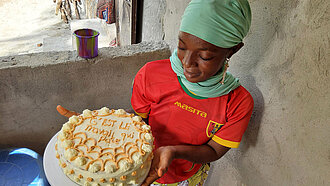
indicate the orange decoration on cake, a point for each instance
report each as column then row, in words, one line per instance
column 90, row 179
column 102, row 144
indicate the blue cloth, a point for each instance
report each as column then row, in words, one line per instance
column 21, row 166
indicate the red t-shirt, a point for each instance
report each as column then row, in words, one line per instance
column 178, row 117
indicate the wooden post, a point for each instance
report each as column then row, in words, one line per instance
column 126, row 11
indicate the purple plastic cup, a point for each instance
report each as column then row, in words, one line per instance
column 87, row 42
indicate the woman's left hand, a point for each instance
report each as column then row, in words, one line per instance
column 163, row 157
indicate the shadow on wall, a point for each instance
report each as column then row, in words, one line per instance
column 226, row 170
column 251, row 135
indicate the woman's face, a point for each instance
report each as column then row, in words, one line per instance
column 200, row 59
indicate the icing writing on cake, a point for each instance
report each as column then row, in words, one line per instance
column 108, row 135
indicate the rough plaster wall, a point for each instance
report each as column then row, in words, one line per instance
column 285, row 66
column 32, row 85
column 172, row 20
column 152, row 20
column 161, row 20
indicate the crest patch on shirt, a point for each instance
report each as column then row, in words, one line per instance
column 212, row 128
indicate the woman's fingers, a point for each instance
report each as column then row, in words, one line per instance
column 162, row 160
column 161, row 172
column 165, row 159
column 65, row 112
column 163, row 165
column 152, row 176
column 153, row 172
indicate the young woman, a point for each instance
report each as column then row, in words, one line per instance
column 196, row 109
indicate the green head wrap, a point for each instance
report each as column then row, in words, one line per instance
column 223, row 23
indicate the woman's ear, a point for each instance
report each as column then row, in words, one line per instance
column 235, row 49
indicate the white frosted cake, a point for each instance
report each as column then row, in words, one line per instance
column 105, row 147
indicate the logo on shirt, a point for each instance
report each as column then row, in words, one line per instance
column 191, row 109
column 212, row 128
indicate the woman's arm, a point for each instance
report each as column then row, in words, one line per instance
column 200, row 154
column 163, row 157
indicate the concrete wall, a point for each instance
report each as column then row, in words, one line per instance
column 152, row 20
column 285, row 65
column 161, row 20
column 31, row 86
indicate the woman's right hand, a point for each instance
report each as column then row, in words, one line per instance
column 163, row 157
column 65, row 112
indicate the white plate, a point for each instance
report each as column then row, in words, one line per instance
column 53, row 172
